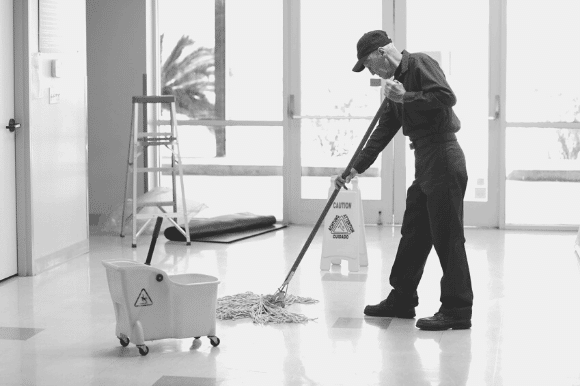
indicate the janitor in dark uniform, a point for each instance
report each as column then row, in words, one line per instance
column 421, row 102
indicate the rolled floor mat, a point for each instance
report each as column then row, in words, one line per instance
column 205, row 227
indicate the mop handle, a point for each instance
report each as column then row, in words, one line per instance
column 154, row 240
column 335, row 193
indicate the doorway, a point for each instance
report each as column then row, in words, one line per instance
column 330, row 107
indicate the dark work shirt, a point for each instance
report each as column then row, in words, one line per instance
column 427, row 107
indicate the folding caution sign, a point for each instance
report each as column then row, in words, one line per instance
column 344, row 233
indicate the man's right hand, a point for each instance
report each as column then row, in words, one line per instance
column 340, row 182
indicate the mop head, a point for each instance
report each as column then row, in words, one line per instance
column 262, row 309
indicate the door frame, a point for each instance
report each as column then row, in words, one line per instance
column 306, row 211
column 500, row 10
column 24, row 11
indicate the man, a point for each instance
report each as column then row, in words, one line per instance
column 421, row 101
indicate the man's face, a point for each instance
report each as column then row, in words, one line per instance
column 378, row 64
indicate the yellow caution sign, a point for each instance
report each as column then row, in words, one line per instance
column 344, row 232
column 143, row 299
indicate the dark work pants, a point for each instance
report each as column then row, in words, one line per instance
column 434, row 217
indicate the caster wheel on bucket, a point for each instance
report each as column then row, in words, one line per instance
column 143, row 350
column 124, row 341
column 214, row 340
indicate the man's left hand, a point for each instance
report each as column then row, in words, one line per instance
column 394, row 90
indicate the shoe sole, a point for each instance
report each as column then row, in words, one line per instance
column 391, row 316
column 459, row 326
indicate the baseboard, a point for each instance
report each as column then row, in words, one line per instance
column 57, row 258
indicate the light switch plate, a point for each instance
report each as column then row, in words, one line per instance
column 55, row 68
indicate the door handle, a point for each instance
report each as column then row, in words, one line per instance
column 290, row 109
column 496, row 110
column 12, row 125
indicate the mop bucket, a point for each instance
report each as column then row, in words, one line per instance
column 150, row 304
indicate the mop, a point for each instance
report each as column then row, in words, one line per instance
column 264, row 309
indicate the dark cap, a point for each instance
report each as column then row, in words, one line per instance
column 367, row 44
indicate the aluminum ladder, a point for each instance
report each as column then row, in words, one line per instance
column 138, row 143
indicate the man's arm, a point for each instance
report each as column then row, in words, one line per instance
column 435, row 91
column 379, row 139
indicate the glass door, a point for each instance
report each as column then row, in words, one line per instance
column 463, row 37
column 542, row 140
column 330, row 107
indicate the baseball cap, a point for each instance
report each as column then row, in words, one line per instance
column 367, row 44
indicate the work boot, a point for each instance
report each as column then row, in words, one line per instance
column 440, row 321
column 387, row 309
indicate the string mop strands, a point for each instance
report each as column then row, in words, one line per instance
column 262, row 309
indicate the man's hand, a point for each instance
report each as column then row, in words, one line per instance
column 394, row 90
column 340, row 182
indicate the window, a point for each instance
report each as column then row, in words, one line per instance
column 542, row 113
column 223, row 62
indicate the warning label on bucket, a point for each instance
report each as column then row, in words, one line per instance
column 143, row 299
column 341, row 228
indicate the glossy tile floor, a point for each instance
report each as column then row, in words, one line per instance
column 58, row 328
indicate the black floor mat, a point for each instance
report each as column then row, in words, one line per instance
column 225, row 228
column 241, row 235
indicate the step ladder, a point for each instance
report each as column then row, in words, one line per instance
column 138, row 144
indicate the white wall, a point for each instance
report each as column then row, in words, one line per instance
column 116, row 46
column 52, row 171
